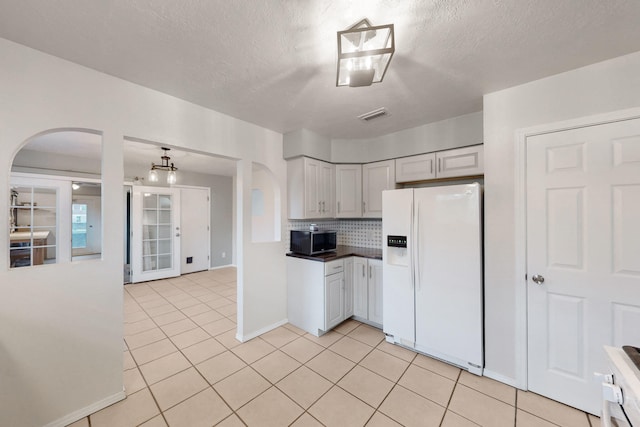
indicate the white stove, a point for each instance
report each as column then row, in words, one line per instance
column 621, row 389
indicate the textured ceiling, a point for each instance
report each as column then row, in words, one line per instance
column 273, row 63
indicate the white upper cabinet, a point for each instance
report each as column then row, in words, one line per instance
column 311, row 187
column 327, row 187
column 459, row 162
column 416, row 168
column 376, row 177
column 466, row 161
column 348, row 191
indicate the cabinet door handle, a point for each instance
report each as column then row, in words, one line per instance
column 364, row 206
column 369, row 272
column 431, row 167
column 338, row 205
column 363, row 275
column 323, row 207
column 439, row 165
column 319, row 206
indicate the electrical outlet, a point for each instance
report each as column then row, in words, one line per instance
column 224, row 254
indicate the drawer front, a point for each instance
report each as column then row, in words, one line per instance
column 333, row 267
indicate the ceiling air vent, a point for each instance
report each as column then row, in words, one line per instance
column 375, row 114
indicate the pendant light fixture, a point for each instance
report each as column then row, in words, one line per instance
column 364, row 53
column 164, row 166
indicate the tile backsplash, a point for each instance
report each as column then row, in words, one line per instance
column 365, row 233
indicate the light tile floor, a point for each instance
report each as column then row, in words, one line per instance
column 184, row 367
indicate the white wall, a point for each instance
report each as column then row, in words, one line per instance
column 265, row 215
column 456, row 132
column 61, row 325
column 303, row 142
column 599, row 88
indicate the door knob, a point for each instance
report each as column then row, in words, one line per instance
column 177, row 234
column 538, row 279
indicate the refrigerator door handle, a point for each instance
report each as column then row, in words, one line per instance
column 417, row 246
column 411, row 247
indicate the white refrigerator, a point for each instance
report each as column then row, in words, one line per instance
column 432, row 272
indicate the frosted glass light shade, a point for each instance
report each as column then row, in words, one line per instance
column 172, row 177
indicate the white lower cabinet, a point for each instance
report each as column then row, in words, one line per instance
column 333, row 300
column 348, row 287
column 316, row 294
column 367, row 290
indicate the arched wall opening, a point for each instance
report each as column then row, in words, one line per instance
column 55, row 203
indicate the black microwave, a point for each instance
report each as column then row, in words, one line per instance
column 313, row 242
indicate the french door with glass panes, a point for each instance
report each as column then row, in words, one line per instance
column 155, row 236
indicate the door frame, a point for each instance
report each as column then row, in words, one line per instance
column 520, row 213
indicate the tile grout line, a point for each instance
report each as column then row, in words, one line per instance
column 457, row 384
column 180, row 351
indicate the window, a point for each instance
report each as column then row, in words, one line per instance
column 33, row 226
column 79, row 226
column 156, row 235
column 45, row 225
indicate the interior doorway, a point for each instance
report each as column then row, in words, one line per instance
column 206, row 187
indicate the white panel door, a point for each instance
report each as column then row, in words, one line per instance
column 449, row 297
column 195, row 234
column 583, row 256
column 156, row 233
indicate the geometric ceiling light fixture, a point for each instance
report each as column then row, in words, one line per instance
column 364, row 53
column 165, row 166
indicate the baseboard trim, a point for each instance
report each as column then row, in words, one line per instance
column 499, row 377
column 247, row 337
column 222, row 266
column 87, row 410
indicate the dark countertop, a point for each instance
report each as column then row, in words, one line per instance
column 342, row 252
